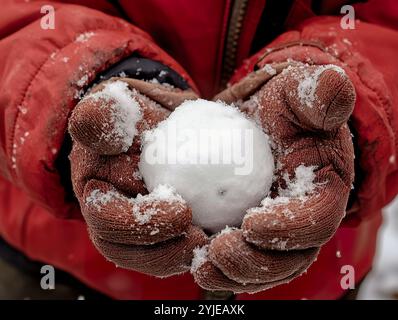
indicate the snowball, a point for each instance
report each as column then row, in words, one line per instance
column 218, row 160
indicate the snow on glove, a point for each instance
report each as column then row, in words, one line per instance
column 304, row 109
column 150, row 233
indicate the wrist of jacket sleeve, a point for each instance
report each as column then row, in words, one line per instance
column 372, row 70
column 145, row 69
column 44, row 74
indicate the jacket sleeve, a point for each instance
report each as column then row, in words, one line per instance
column 368, row 54
column 43, row 73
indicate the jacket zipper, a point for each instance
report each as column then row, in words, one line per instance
column 231, row 45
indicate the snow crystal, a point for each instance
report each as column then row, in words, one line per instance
column 338, row 254
column 164, row 84
column 298, row 188
column 78, row 94
column 199, row 257
column 302, row 183
column 138, row 71
column 125, row 112
column 226, row 230
column 82, row 81
column 274, row 240
column 65, row 59
column 22, row 109
column 288, row 213
column 333, row 49
column 308, row 85
column 13, row 157
column 280, row 244
column 346, row 41
column 83, row 37
column 143, row 216
column 162, row 73
column 162, row 192
column 137, row 175
column 154, row 80
column 392, row 159
column 269, row 69
column 98, row 199
column 165, row 192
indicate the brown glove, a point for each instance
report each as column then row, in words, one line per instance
column 150, row 233
column 304, row 109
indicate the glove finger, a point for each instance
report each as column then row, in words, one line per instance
column 299, row 222
column 211, row 278
column 250, row 84
column 148, row 219
column 167, row 96
column 163, row 259
column 320, row 97
column 245, row 263
column 109, row 118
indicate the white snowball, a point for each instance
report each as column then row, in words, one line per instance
column 219, row 161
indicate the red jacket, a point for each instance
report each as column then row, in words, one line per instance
column 41, row 74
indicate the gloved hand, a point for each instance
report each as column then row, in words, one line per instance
column 150, row 233
column 304, row 109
